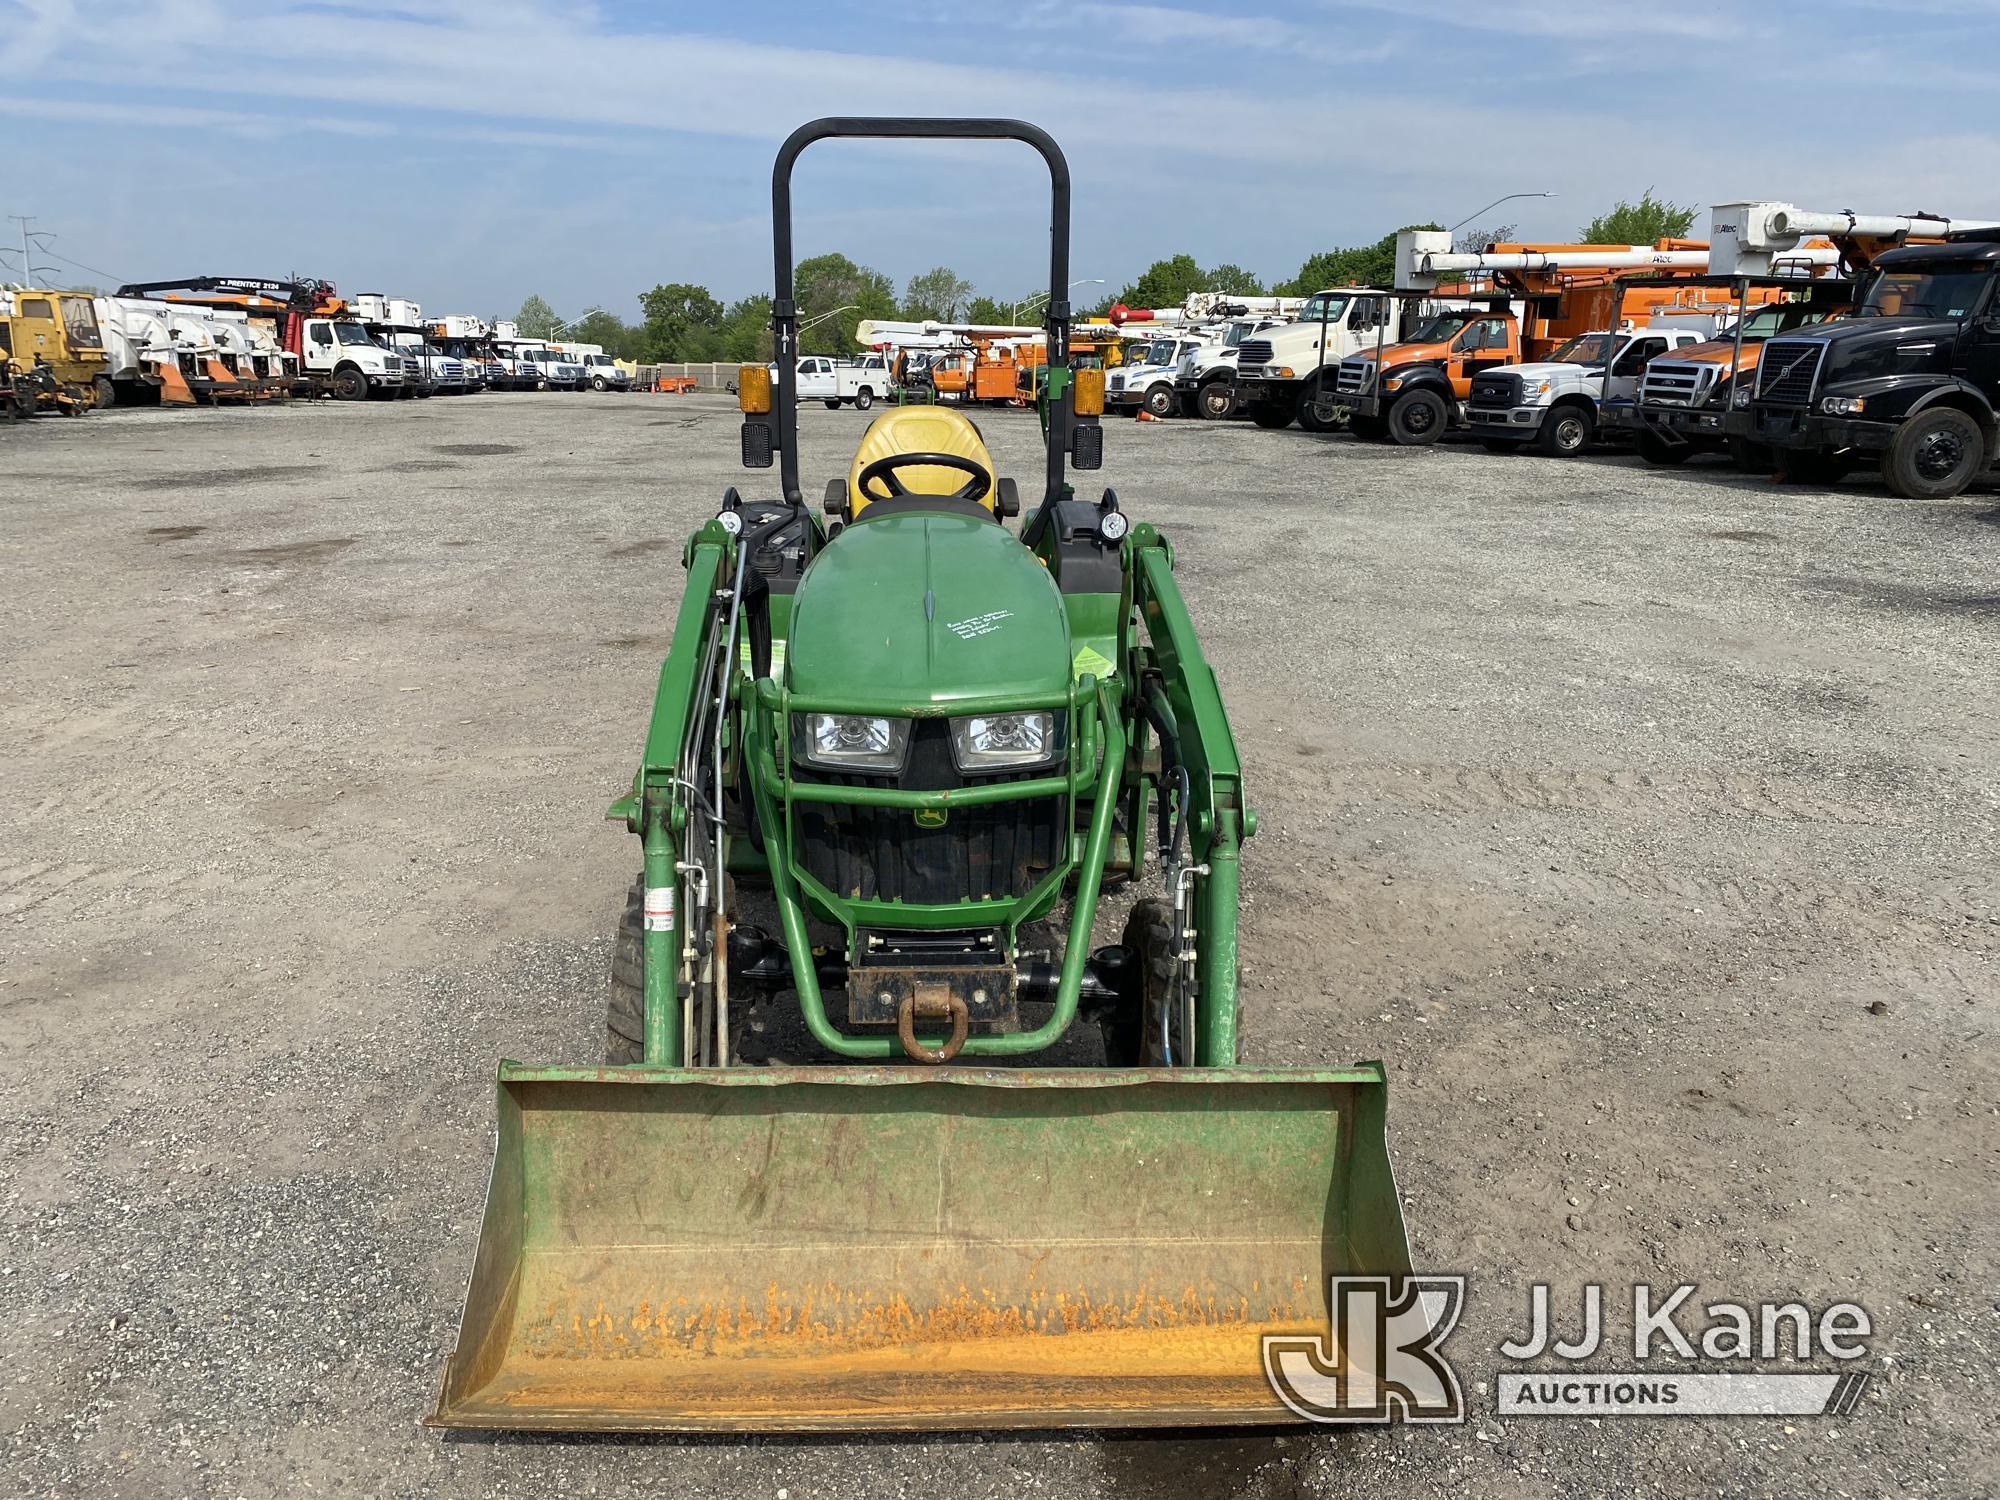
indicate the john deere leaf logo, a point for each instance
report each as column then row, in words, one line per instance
column 931, row 817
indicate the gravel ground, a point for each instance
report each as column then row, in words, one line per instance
column 1643, row 821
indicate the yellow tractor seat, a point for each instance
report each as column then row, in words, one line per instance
column 920, row 429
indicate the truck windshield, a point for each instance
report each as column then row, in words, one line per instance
column 1922, row 294
column 1325, row 307
column 1584, row 349
column 350, row 333
column 80, row 323
column 1160, row 352
column 1237, row 333
column 1442, row 327
column 1781, row 317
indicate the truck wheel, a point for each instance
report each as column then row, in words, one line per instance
column 1809, row 466
column 1566, row 432
column 1316, row 415
column 1159, row 399
column 1270, row 415
column 1660, row 453
column 349, row 385
column 102, row 391
column 1215, row 401
column 863, row 399
column 1751, row 458
column 1418, row 420
column 833, row 403
column 597, row 383
column 1934, row 455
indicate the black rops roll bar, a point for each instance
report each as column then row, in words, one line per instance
column 785, row 312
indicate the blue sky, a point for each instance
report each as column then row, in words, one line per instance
column 467, row 152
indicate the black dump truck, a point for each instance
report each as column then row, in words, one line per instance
column 1910, row 380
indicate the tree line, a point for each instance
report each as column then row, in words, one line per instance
column 684, row 323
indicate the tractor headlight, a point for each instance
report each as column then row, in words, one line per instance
column 1001, row 742
column 850, row 742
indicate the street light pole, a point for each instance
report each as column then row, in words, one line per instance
column 1494, row 204
column 1029, row 303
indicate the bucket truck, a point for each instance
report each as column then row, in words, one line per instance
column 1684, row 404
column 309, row 321
column 1535, row 300
column 1910, row 381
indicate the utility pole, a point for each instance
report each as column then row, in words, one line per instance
column 30, row 238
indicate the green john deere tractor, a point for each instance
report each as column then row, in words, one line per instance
column 925, row 737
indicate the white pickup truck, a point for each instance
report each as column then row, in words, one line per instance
column 839, row 383
column 1553, row 403
column 1147, row 376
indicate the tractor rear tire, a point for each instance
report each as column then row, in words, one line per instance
column 1215, row 401
column 1934, row 455
column 625, row 1006
column 1159, row 399
column 1418, row 420
column 1270, row 416
column 1132, row 1035
column 103, row 392
column 1566, row 432
column 1662, row 454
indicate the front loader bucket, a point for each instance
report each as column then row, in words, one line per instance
column 819, row 1249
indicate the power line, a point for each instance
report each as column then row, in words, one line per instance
column 95, row 271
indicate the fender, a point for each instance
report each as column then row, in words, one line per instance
column 1951, row 387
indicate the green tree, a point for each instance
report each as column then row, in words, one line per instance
column 537, row 320
column 1356, row 265
column 1229, row 277
column 1165, row 283
column 840, row 293
column 682, row 322
column 984, row 309
column 1639, row 223
column 939, row 293
column 746, row 331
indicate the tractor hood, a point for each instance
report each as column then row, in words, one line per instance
column 922, row 611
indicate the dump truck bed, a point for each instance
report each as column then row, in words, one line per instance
column 897, row 1248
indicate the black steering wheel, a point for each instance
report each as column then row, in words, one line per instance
column 977, row 483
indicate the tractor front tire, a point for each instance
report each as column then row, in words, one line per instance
column 625, row 1006
column 102, row 391
column 1418, row 420
column 1215, row 401
column 1934, row 455
column 1132, row 1035
column 1270, row 416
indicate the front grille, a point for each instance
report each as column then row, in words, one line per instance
column 1788, row 370
column 1671, row 383
column 1117, row 382
column 992, row 853
column 1496, row 390
column 1254, row 352
column 1356, row 375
